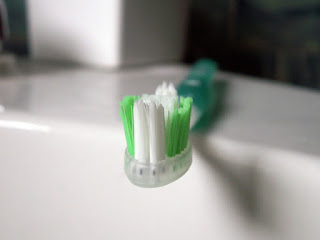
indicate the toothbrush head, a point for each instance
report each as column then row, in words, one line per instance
column 157, row 130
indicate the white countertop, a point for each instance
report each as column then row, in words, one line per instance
column 254, row 176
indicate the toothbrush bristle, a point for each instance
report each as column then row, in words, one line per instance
column 156, row 126
column 141, row 132
column 126, row 113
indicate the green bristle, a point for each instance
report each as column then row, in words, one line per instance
column 173, row 133
column 126, row 113
column 177, row 131
column 182, row 114
column 188, row 107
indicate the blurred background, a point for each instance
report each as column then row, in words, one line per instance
column 266, row 38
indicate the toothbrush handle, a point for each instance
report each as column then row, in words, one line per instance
column 198, row 84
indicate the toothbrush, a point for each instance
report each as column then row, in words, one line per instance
column 156, row 129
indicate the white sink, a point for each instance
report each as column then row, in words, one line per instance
column 62, row 177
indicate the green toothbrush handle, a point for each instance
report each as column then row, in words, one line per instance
column 198, row 84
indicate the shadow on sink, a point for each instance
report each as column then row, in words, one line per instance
column 277, row 192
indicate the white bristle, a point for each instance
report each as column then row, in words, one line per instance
column 169, row 103
column 161, row 133
column 172, row 90
column 165, row 89
column 141, row 133
column 152, row 131
column 136, row 128
column 152, row 114
column 149, row 129
column 159, row 90
column 156, row 133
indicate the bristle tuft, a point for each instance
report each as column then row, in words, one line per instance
column 126, row 113
column 158, row 125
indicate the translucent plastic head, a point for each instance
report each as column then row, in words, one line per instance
column 157, row 174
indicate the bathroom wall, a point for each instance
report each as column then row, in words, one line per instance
column 268, row 38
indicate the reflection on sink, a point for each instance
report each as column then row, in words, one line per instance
column 23, row 126
column 278, row 190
